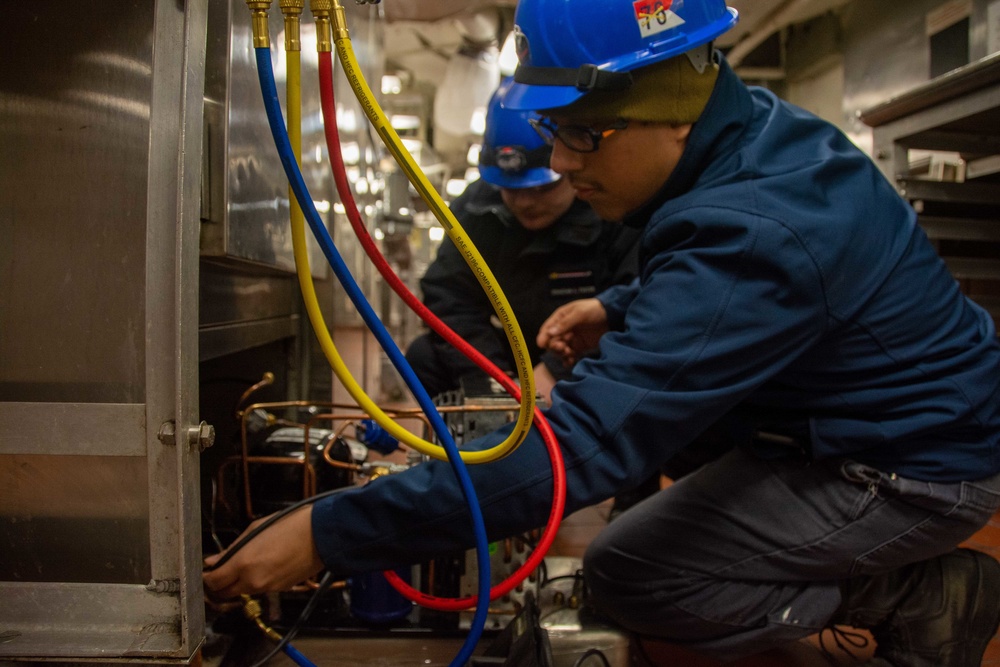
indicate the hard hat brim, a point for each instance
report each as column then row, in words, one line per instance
column 524, row 97
column 530, row 178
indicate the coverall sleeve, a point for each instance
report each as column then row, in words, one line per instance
column 616, row 300
column 721, row 307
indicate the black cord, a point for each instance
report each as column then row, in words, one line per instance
column 324, row 586
column 277, row 516
column 590, row 653
column 578, row 576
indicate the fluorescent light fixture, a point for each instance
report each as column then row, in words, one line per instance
column 351, row 152
column 347, row 119
column 402, row 121
column 391, row 84
column 478, row 123
column 473, row 155
column 508, row 56
column 455, row 186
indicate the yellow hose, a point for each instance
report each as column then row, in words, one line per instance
column 294, row 102
column 456, row 233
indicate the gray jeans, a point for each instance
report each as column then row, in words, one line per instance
column 745, row 554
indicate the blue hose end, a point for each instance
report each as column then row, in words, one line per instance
column 376, row 437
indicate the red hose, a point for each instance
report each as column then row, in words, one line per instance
column 443, row 330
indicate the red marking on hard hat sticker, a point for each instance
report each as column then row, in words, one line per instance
column 655, row 16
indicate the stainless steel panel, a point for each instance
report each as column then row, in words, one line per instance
column 248, row 222
column 85, row 522
column 218, row 341
column 172, row 274
column 246, row 213
column 228, row 296
column 90, row 625
column 242, row 309
column 73, row 429
column 102, row 106
column 74, row 124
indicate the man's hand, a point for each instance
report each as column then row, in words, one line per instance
column 574, row 329
column 544, row 382
column 283, row 555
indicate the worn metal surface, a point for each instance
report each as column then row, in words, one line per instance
column 101, row 120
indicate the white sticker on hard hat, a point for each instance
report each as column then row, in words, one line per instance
column 654, row 16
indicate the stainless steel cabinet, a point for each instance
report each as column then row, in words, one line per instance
column 101, row 128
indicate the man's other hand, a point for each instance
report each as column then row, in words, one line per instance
column 574, row 329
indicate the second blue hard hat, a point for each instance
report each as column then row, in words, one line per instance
column 513, row 154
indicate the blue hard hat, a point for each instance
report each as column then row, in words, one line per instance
column 567, row 48
column 513, row 154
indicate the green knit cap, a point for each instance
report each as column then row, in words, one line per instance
column 671, row 91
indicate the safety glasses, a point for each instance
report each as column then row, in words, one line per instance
column 579, row 138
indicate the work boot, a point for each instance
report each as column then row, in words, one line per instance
column 940, row 612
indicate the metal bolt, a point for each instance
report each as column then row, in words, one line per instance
column 201, row 436
column 164, row 585
column 168, row 433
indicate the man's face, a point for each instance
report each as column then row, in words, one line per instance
column 628, row 168
column 538, row 208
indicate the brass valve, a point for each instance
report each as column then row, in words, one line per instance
column 321, row 13
column 340, row 31
column 258, row 12
column 292, row 10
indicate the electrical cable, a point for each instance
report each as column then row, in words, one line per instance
column 267, row 523
column 294, row 175
column 590, row 653
column 329, row 107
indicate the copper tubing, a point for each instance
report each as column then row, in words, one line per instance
column 267, row 379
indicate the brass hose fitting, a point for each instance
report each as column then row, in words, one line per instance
column 258, row 12
column 292, row 10
column 252, row 610
column 339, row 22
column 321, row 14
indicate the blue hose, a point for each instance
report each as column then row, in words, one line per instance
column 274, row 118
column 297, row 656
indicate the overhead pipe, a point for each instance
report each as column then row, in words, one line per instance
column 783, row 16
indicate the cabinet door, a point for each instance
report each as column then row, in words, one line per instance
column 101, row 124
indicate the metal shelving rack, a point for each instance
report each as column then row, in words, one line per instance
column 959, row 209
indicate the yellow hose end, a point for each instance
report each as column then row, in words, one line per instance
column 292, row 9
column 258, row 12
column 340, row 32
